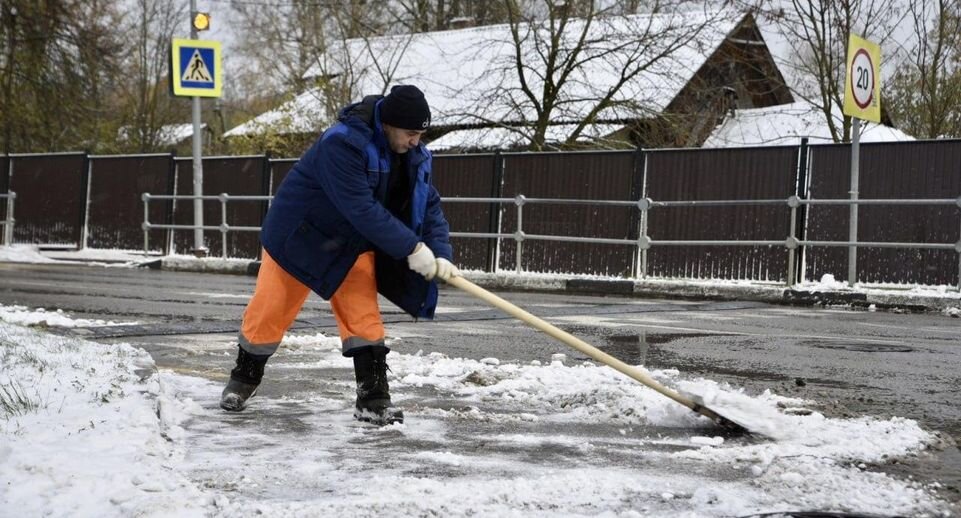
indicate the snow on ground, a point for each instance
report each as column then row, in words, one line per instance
column 40, row 317
column 81, row 435
column 23, row 254
column 104, row 256
column 93, row 429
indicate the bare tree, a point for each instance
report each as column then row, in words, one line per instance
column 575, row 62
column 281, row 43
column 307, row 46
column 60, row 58
column 432, row 15
column 817, row 32
column 334, row 55
column 925, row 95
column 147, row 108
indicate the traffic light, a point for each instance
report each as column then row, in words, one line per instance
column 201, row 21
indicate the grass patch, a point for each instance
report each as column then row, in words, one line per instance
column 14, row 401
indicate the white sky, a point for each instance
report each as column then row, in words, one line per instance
column 110, row 436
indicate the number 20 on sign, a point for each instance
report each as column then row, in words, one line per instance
column 862, row 86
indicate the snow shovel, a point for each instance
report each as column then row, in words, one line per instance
column 593, row 352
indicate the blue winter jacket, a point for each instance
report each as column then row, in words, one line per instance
column 330, row 208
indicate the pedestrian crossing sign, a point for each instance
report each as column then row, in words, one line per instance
column 196, row 69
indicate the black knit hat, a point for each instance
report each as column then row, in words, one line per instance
column 405, row 107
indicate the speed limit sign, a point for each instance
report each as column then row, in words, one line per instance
column 862, row 88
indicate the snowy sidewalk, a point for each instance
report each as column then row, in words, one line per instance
column 94, row 429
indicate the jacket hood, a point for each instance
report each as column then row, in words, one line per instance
column 363, row 110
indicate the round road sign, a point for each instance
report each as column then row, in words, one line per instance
column 862, row 78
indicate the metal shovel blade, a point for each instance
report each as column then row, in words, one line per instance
column 730, row 425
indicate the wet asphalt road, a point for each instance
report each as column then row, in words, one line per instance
column 853, row 362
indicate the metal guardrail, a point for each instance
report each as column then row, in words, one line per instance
column 9, row 221
column 224, row 228
column 643, row 242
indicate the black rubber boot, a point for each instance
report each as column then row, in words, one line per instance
column 373, row 395
column 244, row 380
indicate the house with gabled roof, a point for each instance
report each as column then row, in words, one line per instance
column 657, row 91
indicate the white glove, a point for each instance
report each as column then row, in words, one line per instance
column 422, row 261
column 446, row 269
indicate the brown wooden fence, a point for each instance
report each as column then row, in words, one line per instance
column 53, row 207
column 475, row 176
column 721, row 174
column 241, row 176
column 908, row 170
column 51, row 195
column 580, row 176
column 114, row 215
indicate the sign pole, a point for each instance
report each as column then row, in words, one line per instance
column 196, row 71
column 199, row 249
column 862, row 100
column 853, row 229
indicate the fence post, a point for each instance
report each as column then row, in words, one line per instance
column 85, row 204
column 792, row 242
column 493, row 223
column 801, row 191
column 223, row 224
column 643, row 242
column 146, row 223
column 170, row 205
column 13, row 196
column 637, row 192
column 8, row 230
column 957, row 248
column 519, row 234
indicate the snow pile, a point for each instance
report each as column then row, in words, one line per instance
column 80, row 431
column 814, row 462
column 23, row 254
column 827, row 283
column 108, row 257
column 189, row 263
column 40, row 317
column 555, row 391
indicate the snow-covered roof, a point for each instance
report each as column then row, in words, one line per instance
column 785, row 124
column 302, row 114
column 501, row 138
column 168, row 135
column 469, row 77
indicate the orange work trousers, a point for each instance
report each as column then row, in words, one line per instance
column 278, row 298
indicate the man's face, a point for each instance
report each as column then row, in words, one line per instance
column 402, row 140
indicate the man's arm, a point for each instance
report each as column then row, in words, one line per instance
column 342, row 171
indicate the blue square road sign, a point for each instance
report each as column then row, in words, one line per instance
column 196, row 69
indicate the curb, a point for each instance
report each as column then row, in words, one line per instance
column 667, row 289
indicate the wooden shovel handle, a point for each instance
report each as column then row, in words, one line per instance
column 579, row 344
